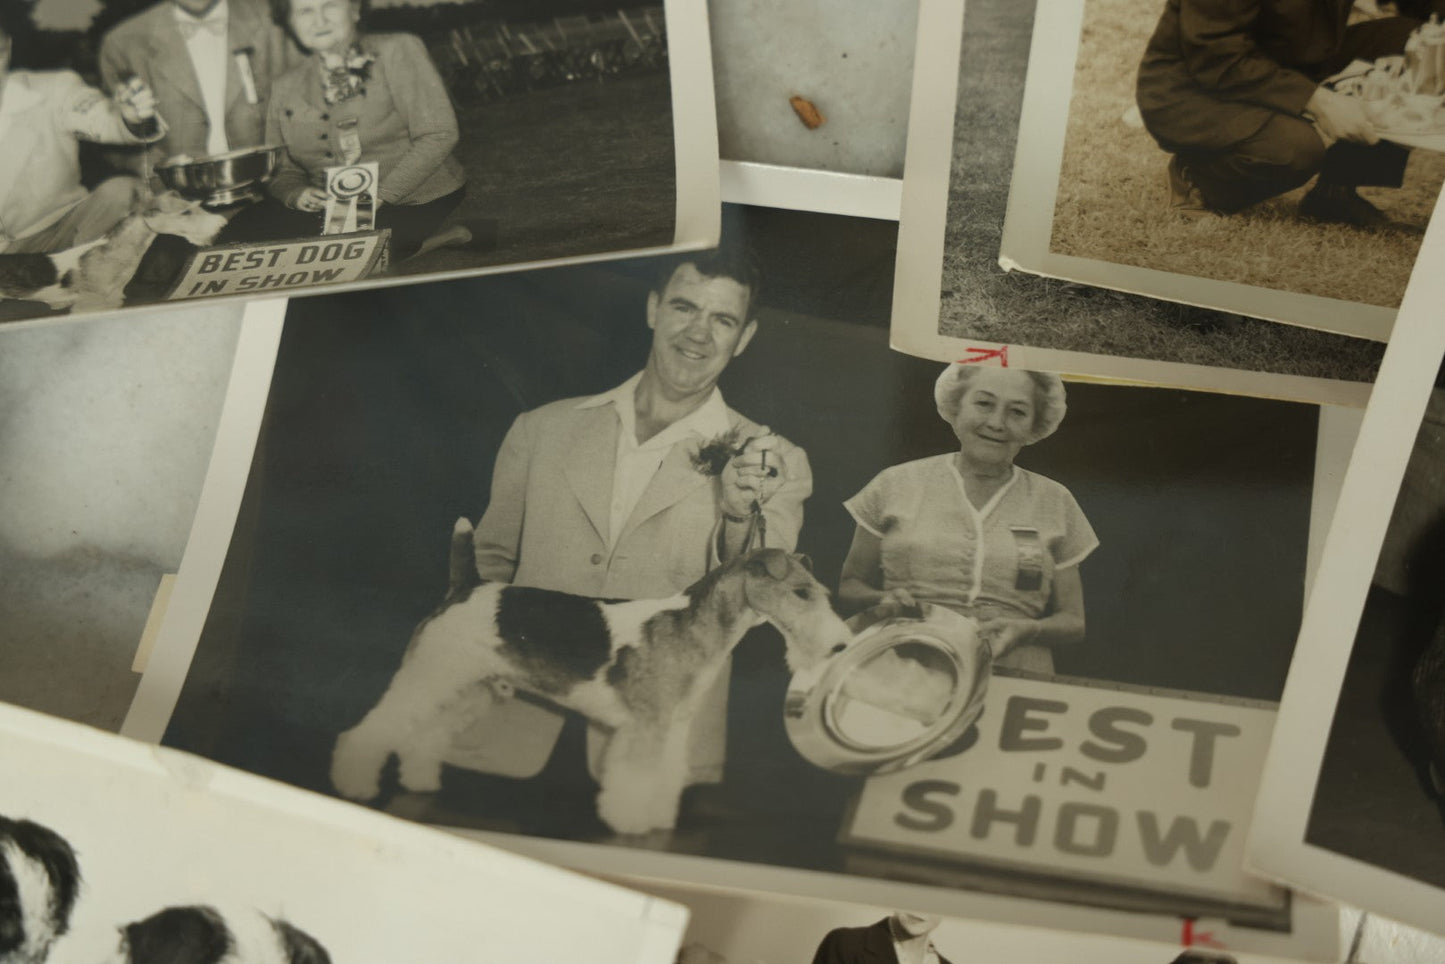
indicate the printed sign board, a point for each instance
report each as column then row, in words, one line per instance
column 1110, row 785
column 281, row 266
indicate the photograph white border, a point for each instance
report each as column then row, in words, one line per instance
column 1315, row 926
column 985, row 939
column 198, row 793
column 808, row 189
column 923, row 222
column 698, row 199
column 1277, row 845
column 1029, row 226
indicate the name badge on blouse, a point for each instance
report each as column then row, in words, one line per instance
column 1029, row 549
column 348, row 140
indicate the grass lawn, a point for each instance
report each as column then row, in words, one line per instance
column 567, row 170
column 984, row 303
column 1112, row 203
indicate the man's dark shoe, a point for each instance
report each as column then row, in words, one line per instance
column 1184, row 197
column 1333, row 204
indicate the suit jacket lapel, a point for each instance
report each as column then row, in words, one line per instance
column 171, row 58
column 590, row 464
column 880, row 943
column 676, row 478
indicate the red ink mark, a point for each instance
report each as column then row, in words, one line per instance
column 1188, row 937
column 977, row 355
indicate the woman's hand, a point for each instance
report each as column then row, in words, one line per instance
column 1003, row 634
column 310, row 199
column 896, row 602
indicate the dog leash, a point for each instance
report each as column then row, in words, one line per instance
column 757, row 535
column 146, row 161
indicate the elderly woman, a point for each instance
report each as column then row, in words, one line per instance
column 971, row 531
column 358, row 98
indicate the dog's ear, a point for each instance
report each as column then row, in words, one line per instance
column 768, row 564
column 803, row 560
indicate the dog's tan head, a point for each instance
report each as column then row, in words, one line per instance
column 780, row 588
column 169, row 213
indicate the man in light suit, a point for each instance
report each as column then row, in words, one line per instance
column 606, row 496
column 902, row 938
column 210, row 63
column 44, row 115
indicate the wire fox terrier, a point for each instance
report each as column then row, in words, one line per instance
column 640, row 668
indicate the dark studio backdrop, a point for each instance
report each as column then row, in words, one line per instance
column 387, row 408
column 1374, row 799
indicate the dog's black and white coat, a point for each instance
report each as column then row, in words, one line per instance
column 39, row 884
column 639, row 668
column 202, row 934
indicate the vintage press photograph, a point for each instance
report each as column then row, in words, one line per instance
column 186, row 862
column 953, row 293
column 728, row 926
column 160, row 150
column 625, row 565
column 1354, row 802
column 1283, row 146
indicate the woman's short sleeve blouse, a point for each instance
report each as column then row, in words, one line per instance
column 997, row 560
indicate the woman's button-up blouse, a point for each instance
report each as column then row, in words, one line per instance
column 999, row 560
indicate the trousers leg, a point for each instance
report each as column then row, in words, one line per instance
column 102, row 209
column 1282, row 155
column 411, row 224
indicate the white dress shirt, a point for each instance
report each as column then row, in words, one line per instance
column 206, row 42
column 930, row 954
column 636, row 463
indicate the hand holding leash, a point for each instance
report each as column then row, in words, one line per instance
column 136, row 103
column 753, row 476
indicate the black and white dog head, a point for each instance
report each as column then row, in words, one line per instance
column 204, row 935
column 39, row 882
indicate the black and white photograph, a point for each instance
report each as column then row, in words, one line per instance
column 739, row 927
column 512, row 578
column 963, row 289
column 112, row 851
column 1354, row 801
column 165, row 150
column 1211, row 150
column 814, row 88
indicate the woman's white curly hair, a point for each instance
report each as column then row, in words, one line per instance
column 1049, row 400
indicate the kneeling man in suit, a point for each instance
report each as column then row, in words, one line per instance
column 1235, row 90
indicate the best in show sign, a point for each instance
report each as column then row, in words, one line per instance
column 1088, row 782
column 281, row 266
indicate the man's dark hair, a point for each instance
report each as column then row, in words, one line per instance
column 726, row 261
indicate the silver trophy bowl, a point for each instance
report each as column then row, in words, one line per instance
column 220, row 180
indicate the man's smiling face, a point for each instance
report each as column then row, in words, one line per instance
column 699, row 324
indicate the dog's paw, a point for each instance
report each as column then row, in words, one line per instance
column 352, row 773
column 354, row 786
column 420, row 776
column 625, row 812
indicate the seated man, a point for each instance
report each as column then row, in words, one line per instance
column 1232, row 88
column 44, row 115
column 635, row 493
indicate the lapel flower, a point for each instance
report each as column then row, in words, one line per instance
column 713, row 455
column 346, row 78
